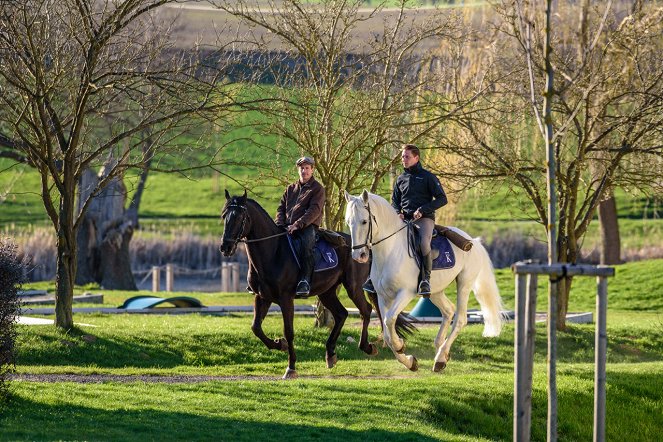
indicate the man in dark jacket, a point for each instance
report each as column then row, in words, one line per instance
column 417, row 195
column 300, row 213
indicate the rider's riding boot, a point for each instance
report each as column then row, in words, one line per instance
column 304, row 286
column 426, row 267
column 368, row 286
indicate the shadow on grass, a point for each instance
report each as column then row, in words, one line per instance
column 30, row 420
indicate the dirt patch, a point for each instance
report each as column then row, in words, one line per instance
column 106, row 378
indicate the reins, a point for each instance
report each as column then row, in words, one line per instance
column 244, row 240
column 369, row 235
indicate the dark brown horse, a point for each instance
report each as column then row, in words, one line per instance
column 273, row 275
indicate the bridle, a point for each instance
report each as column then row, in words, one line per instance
column 368, row 243
column 241, row 231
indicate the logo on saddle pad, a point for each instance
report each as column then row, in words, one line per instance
column 324, row 254
column 443, row 254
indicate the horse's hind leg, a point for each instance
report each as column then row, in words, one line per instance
column 447, row 309
column 463, row 293
column 332, row 303
column 260, row 309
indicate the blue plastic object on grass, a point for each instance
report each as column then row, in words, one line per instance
column 143, row 302
column 425, row 309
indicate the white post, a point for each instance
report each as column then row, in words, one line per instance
column 225, row 277
column 601, row 345
column 170, row 279
column 156, row 278
column 235, row 275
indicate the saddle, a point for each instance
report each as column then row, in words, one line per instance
column 333, row 238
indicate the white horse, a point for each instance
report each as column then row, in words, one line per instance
column 375, row 226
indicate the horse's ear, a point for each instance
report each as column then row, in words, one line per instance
column 348, row 197
column 227, row 195
column 364, row 196
column 243, row 198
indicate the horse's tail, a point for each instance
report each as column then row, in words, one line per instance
column 405, row 325
column 486, row 291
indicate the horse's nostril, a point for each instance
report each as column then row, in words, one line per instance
column 363, row 255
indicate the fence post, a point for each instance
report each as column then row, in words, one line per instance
column 170, row 278
column 601, row 345
column 521, row 429
column 156, row 278
column 235, row 275
column 225, row 277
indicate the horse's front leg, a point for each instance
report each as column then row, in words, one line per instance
column 288, row 312
column 463, row 293
column 331, row 303
column 391, row 337
column 260, row 309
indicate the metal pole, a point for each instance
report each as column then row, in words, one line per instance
column 552, row 229
column 601, row 346
column 521, row 428
column 156, row 278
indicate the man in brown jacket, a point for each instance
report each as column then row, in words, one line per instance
column 300, row 213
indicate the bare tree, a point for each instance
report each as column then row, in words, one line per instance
column 70, row 67
column 606, row 114
column 350, row 83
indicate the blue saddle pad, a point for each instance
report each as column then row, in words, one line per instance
column 446, row 259
column 324, row 254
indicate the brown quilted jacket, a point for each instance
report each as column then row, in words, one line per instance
column 301, row 204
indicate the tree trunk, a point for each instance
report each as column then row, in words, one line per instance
column 104, row 236
column 609, row 224
column 115, row 264
column 66, row 265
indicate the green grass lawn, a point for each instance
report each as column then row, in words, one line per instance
column 362, row 398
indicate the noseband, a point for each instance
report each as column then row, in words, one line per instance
column 241, row 231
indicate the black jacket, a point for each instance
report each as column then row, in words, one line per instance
column 417, row 188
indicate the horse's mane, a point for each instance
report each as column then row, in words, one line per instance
column 386, row 209
column 378, row 204
column 261, row 209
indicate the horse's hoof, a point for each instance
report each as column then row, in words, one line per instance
column 290, row 374
column 439, row 366
column 331, row 361
column 283, row 343
column 372, row 350
column 415, row 364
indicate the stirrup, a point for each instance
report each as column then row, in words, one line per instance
column 424, row 288
column 368, row 286
column 303, row 288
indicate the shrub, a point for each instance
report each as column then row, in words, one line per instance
column 11, row 275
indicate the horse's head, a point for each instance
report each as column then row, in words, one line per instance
column 236, row 223
column 361, row 222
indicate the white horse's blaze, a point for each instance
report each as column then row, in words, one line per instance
column 394, row 274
